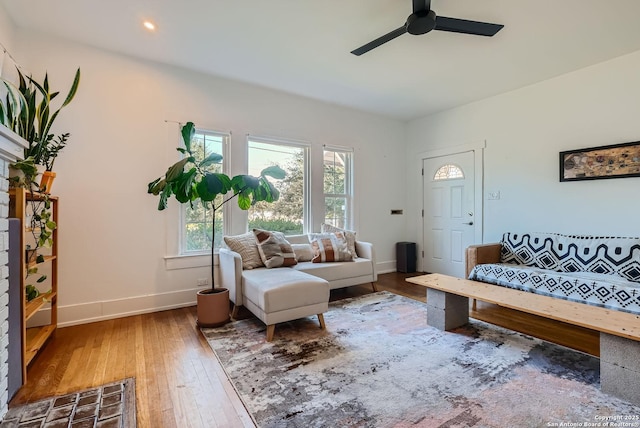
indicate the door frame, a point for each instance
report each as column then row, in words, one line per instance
column 478, row 159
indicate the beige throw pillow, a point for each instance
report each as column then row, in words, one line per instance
column 246, row 246
column 274, row 249
column 330, row 247
column 303, row 252
column 349, row 234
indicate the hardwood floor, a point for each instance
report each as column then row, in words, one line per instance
column 179, row 382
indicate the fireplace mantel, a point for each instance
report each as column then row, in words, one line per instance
column 11, row 145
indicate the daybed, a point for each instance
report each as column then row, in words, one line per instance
column 298, row 287
column 600, row 271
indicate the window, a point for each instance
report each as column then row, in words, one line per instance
column 289, row 214
column 448, row 172
column 197, row 221
column 338, row 189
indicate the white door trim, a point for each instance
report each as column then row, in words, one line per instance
column 478, row 158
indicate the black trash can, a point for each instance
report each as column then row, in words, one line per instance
column 406, row 257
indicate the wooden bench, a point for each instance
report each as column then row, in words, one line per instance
column 448, row 308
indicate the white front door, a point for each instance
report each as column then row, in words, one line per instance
column 449, row 212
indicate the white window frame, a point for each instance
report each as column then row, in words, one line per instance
column 348, row 195
column 182, row 251
column 306, row 147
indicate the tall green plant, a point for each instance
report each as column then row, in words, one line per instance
column 12, row 105
column 189, row 181
column 29, row 112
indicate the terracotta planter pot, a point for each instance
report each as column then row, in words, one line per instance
column 47, row 181
column 213, row 307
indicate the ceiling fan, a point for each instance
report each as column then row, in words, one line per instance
column 423, row 20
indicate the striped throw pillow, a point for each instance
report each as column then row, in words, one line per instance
column 330, row 247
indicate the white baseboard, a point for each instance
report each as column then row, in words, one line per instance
column 84, row 313
column 386, row 267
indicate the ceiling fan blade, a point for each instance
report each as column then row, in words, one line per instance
column 456, row 25
column 419, row 5
column 380, row 40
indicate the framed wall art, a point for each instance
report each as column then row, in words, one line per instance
column 614, row 161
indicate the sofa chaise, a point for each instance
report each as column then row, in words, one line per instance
column 295, row 289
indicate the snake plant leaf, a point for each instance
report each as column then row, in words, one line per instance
column 175, row 170
column 73, row 90
column 211, row 159
column 273, row 171
column 188, row 131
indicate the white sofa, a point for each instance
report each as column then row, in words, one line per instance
column 262, row 290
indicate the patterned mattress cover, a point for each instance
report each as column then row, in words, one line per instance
column 604, row 290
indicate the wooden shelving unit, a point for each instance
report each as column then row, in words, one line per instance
column 34, row 338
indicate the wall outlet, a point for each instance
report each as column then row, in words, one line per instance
column 202, row 281
column 493, row 196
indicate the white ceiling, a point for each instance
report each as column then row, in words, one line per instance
column 303, row 47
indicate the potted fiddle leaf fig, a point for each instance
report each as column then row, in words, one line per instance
column 191, row 181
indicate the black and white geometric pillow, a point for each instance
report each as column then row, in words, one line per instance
column 565, row 253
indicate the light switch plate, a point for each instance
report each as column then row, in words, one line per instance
column 493, row 196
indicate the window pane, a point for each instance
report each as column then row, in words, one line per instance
column 337, row 188
column 448, row 172
column 286, row 214
column 198, row 220
column 335, row 212
column 334, row 172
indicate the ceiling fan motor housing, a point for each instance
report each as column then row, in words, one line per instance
column 421, row 22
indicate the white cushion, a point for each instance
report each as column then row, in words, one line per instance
column 282, row 289
column 336, row 271
column 303, row 252
column 298, row 239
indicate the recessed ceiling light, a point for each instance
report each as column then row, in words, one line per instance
column 149, row 25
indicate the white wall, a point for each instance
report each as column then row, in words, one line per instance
column 524, row 132
column 6, row 38
column 113, row 241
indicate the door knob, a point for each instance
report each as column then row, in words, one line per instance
column 470, row 223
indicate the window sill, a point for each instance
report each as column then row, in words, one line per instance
column 188, row 261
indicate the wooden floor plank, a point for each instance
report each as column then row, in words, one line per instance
column 178, row 377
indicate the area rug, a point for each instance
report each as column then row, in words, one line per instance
column 108, row 406
column 379, row 364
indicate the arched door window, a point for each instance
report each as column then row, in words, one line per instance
column 448, row 172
